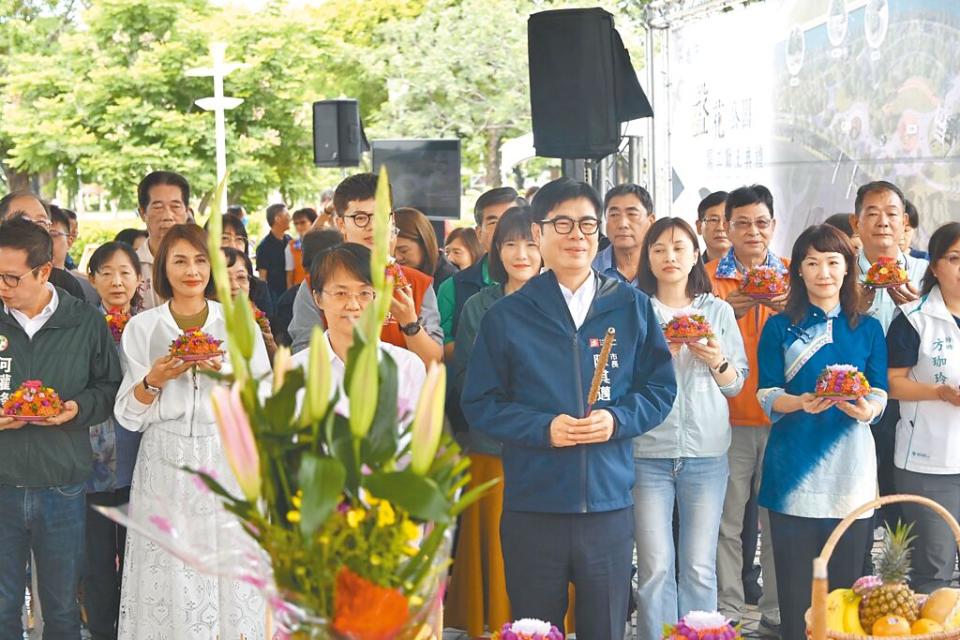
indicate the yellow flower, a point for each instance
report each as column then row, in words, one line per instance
column 324, row 539
column 385, row 514
column 293, row 516
column 411, row 551
column 884, row 270
column 355, row 517
column 375, row 560
column 410, row 530
column 296, row 501
column 415, row 601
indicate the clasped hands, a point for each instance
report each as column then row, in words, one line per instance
column 567, row 431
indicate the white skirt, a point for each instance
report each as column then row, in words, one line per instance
column 162, row 598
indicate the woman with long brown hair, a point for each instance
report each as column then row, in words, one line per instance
column 168, row 400
column 417, row 246
column 820, row 460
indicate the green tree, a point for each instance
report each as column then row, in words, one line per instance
column 457, row 70
column 26, row 26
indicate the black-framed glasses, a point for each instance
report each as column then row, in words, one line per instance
column 361, row 220
column 11, row 281
column 564, row 225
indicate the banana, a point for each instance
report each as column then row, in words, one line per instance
column 851, row 616
column 837, row 602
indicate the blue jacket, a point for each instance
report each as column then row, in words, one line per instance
column 530, row 363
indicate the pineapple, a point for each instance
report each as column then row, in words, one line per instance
column 892, row 596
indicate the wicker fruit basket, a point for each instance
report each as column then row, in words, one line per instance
column 816, row 615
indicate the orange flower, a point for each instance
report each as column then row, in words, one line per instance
column 364, row 610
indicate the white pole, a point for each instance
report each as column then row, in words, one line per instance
column 218, row 104
column 221, row 127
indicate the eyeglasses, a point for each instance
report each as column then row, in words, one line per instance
column 712, row 220
column 59, row 234
column 762, row 224
column 361, row 220
column 564, row 225
column 12, row 282
column 342, row 297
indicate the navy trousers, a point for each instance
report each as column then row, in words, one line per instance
column 542, row 552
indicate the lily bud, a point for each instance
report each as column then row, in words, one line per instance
column 237, row 439
column 282, row 362
column 244, row 329
column 364, row 390
column 428, row 419
column 318, row 379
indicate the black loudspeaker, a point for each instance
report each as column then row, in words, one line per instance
column 582, row 84
column 338, row 138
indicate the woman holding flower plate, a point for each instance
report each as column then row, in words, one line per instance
column 168, row 401
column 820, row 462
column 684, row 459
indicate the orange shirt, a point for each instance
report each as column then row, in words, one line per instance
column 745, row 408
column 299, row 273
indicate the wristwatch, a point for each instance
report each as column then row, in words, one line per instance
column 722, row 367
column 412, row 328
column 149, row 388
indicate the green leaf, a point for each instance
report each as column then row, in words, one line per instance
column 322, row 480
column 381, row 441
column 342, row 448
column 417, row 495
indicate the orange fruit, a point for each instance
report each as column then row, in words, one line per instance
column 924, row 626
column 891, row 626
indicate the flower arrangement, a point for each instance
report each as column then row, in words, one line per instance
column 195, row 344
column 344, row 524
column 764, row 282
column 687, row 328
column 886, row 272
column 117, row 320
column 702, row 625
column 528, row 629
column 33, row 400
column 842, row 382
column 394, row 271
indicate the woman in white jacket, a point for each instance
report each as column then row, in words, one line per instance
column 168, row 400
column 923, row 347
column 683, row 461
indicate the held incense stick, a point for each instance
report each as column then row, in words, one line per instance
column 601, row 365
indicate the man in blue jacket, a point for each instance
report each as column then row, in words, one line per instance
column 568, row 470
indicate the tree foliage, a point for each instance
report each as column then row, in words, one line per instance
column 98, row 93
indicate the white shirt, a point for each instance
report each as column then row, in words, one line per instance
column 411, row 375
column 579, row 301
column 183, row 407
column 32, row 325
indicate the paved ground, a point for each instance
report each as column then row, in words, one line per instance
column 751, row 620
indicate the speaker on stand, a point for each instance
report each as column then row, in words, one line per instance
column 338, row 137
column 582, row 87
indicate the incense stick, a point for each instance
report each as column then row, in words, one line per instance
column 601, row 366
